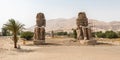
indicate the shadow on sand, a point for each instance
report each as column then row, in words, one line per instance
column 99, row 43
column 24, row 50
column 46, row 44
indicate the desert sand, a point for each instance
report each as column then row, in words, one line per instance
column 57, row 49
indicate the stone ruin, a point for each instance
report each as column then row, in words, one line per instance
column 39, row 31
column 83, row 29
column 84, row 33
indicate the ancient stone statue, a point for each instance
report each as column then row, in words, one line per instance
column 82, row 19
column 82, row 27
column 39, row 31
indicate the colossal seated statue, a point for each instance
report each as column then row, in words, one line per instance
column 39, row 31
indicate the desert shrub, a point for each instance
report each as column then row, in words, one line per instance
column 100, row 34
column 93, row 34
column 74, row 34
column 107, row 34
column 61, row 33
column 111, row 34
column 27, row 35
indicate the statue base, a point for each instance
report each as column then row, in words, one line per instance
column 39, row 42
column 88, row 42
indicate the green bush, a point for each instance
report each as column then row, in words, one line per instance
column 61, row 33
column 93, row 34
column 107, row 34
column 111, row 34
column 74, row 34
column 27, row 35
column 100, row 34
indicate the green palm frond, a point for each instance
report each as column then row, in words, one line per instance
column 14, row 26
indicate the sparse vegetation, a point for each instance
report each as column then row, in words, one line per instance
column 74, row 33
column 27, row 35
column 15, row 28
column 100, row 34
column 61, row 33
column 111, row 34
column 107, row 34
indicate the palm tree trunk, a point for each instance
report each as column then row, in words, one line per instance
column 15, row 45
column 15, row 41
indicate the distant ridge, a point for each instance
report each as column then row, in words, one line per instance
column 62, row 24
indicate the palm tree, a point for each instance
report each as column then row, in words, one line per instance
column 15, row 28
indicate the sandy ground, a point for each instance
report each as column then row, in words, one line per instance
column 57, row 49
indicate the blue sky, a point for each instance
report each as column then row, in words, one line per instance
column 25, row 10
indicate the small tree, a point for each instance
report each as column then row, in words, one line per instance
column 14, row 27
column 27, row 35
column 74, row 33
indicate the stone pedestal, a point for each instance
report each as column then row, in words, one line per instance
column 88, row 42
column 39, row 42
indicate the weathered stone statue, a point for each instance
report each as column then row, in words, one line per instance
column 82, row 26
column 39, row 31
column 83, row 30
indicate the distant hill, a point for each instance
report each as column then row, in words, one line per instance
column 62, row 24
